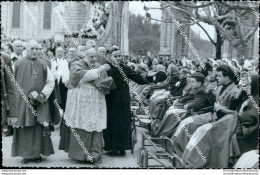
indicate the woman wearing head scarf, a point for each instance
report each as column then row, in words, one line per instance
column 160, row 75
column 86, row 108
column 157, row 106
column 235, row 65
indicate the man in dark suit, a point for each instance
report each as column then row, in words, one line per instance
column 8, row 95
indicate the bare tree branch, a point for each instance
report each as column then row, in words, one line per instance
column 196, row 6
column 238, row 6
column 183, row 23
column 213, row 42
column 177, row 8
column 252, row 31
column 228, row 15
column 240, row 27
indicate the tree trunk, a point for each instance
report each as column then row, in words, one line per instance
column 241, row 52
column 218, row 45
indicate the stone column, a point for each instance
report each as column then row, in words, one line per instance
column 124, row 29
column 166, row 35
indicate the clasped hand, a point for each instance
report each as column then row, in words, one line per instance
column 104, row 67
column 218, row 106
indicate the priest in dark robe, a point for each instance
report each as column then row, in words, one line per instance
column 8, row 94
column 32, row 74
column 118, row 135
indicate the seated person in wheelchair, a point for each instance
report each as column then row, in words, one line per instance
column 169, row 123
column 176, row 87
column 169, row 84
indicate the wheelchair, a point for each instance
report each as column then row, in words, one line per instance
column 152, row 154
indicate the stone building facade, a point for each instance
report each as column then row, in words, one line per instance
column 172, row 43
column 39, row 20
column 17, row 18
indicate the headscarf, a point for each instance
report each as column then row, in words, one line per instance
column 237, row 64
column 247, row 63
column 173, row 69
column 160, row 68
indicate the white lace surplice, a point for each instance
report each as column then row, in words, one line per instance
column 86, row 105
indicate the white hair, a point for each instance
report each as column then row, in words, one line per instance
column 31, row 42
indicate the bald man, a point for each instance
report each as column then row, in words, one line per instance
column 18, row 51
column 33, row 75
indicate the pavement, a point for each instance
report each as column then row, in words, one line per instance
column 61, row 160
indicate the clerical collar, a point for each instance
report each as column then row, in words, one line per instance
column 31, row 58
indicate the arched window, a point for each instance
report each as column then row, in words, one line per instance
column 47, row 15
column 16, row 14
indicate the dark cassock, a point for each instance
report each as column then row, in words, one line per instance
column 29, row 141
column 8, row 91
column 118, row 135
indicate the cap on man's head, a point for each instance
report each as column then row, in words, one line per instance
column 90, row 52
column 116, row 53
column 114, row 48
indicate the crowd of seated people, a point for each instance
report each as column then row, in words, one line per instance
column 211, row 105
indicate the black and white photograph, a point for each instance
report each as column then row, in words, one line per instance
column 130, row 85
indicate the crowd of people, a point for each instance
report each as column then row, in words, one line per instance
column 214, row 109
column 95, row 101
